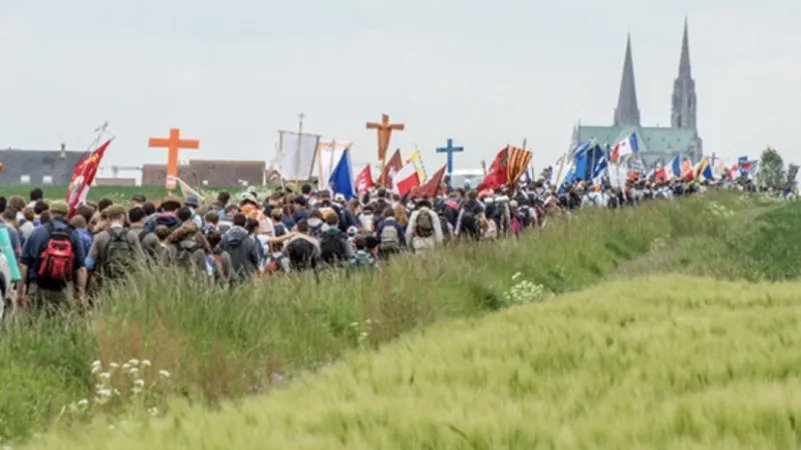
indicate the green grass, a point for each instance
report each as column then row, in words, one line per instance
column 226, row 345
column 653, row 363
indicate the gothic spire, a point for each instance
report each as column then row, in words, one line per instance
column 627, row 111
column 683, row 112
column 684, row 62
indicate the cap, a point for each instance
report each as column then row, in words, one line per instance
column 59, row 207
column 192, row 201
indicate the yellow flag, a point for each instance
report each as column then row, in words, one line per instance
column 415, row 159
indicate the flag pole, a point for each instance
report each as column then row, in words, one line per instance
column 297, row 151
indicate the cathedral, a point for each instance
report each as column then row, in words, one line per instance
column 657, row 145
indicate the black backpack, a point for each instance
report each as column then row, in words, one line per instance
column 183, row 256
column 332, row 247
column 118, row 254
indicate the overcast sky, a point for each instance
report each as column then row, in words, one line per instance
column 484, row 73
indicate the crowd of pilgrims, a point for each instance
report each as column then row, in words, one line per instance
column 65, row 256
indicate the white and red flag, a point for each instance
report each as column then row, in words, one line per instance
column 83, row 175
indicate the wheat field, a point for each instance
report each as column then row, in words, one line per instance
column 653, row 363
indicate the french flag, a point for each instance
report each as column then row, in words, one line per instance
column 625, row 147
column 674, row 169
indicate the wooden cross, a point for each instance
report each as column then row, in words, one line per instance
column 173, row 144
column 450, row 150
column 384, row 133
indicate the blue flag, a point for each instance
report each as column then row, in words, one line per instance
column 600, row 168
column 341, row 180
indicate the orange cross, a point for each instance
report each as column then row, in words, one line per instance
column 384, row 133
column 172, row 144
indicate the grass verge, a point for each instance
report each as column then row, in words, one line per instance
column 224, row 344
column 658, row 362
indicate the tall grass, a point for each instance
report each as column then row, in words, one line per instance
column 221, row 344
column 667, row 362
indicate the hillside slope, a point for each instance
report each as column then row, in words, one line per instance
column 655, row 362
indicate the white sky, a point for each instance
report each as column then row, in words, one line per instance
column 484, row 73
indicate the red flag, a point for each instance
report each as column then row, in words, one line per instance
column 83, row 175
column 364, row 180
column 431, row 187
column 498, row 171
column 393, row 166
column 406, row 179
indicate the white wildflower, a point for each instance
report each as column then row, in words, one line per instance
column 139, row 382
column 96, row 363
column 126, row 366
column 105, row 376
column 104, row 393
column 145, row 363
column 133, row 362
column 133, row 371
column 83, row 402
column 164, row 373
column 96, row 369
column 113, row 365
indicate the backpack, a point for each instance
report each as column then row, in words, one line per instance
column 389, row 241
column 423, row 226
column 332, row 247
column 220, row 274
column 361, row 260
column 183, row 257
column 118, row 254
column 57, row 261
column 317, row 231
column 239, row 254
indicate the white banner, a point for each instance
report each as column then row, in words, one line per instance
column 616, row 174
column 328, row 155
column 297, row 158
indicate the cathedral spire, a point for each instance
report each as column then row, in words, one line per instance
column 627, row 111
column 684, row 62
column 683, row 112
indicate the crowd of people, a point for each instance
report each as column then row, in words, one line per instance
column 65, row 257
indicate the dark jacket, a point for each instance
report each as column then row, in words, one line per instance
column 244, row 252
column 167, row 220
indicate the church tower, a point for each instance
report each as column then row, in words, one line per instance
column 627, row 112
column 684, row 101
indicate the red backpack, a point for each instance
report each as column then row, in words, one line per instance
column 57, row 261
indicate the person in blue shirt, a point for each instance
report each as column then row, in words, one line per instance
column 50, row 297
column 8, row 222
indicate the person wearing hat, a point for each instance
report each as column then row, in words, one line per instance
column 193, row 203
column 49, row 250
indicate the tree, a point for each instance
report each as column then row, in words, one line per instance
column 771, row 170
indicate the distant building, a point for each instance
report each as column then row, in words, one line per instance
column 156, row 174
column 38, row 167
column 658, row 145
column 107, row 181
column 208, row 173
